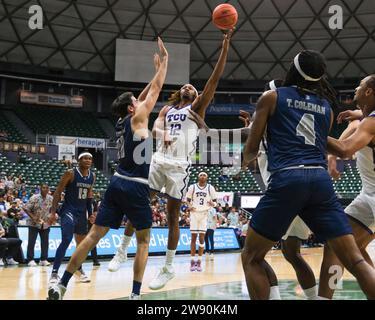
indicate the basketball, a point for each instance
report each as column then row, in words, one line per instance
column 225, row 16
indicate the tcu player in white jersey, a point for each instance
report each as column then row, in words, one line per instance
column 358, row 138
column 171, row 163
column 201, row 197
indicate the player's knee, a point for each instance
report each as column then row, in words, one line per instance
column 292, row 256
column 246, row 257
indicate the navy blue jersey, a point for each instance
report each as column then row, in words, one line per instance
column 76, row 192
column 298, row 130
column 134, row 153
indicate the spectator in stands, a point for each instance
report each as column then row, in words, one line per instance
column 38, row 209
column 2, row 182
column 9, row 200
column 9, row 246
column 226, row 209
column 74, row 161
column 223, row 176
column 233, row 218
column 19, row 182
column 244, row 229
column 24, row 196
column 14, row 212
column 9, row 184
column 212, row 222
column 3, row 207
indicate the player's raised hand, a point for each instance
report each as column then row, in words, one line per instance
column 349, row 115
column 245, row 117
column 228, row 36
column 163, row 50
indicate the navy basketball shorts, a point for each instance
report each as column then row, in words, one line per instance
column 308, row 193
column 125, row 197
column 74, row 220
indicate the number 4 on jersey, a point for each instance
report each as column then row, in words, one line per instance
column 306, row 129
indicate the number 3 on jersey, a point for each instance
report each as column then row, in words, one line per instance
column 306, row 129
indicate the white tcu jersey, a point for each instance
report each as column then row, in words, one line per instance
column 201, row 196
column 263, row 162
column 184, row 135
column 366, row 168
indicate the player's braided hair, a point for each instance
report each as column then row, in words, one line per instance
column 120, row 105
column 314, row 65
column 175, row 98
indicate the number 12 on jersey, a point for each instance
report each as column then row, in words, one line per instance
column 306, row 129
column 175, row 127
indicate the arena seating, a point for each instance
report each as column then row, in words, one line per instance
column 13, row 134
column 36, row 171
column 350, row 184
column 61, row 122
column 246, row 182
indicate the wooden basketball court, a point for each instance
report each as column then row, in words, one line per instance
column 222, row 278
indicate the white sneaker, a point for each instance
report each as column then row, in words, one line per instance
column 12, row 262
column 54, row 280
column 162, row 278
column 84, row 278
column 134, row 296
column 44, row 263
column 1, row 263
column 115, row 264
column 212, row 256
column 32, row 263
column 56, row 292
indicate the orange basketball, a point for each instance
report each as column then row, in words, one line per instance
column 225, row 16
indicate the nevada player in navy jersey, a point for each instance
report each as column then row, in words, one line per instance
column 358, row 138
column 298, row 118
column 128, row 192
column 78, row 184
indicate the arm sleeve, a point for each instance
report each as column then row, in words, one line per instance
column 89, row 206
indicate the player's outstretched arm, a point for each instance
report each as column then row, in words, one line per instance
column 158, row 131
column 145, row 91
column 349, row 115
column 332, row 160
column 358, row 140
column 264, row 109
column 145, row 107
column 215, row 133
column 201, row 103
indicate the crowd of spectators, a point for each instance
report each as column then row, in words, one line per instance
column 14, row 198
